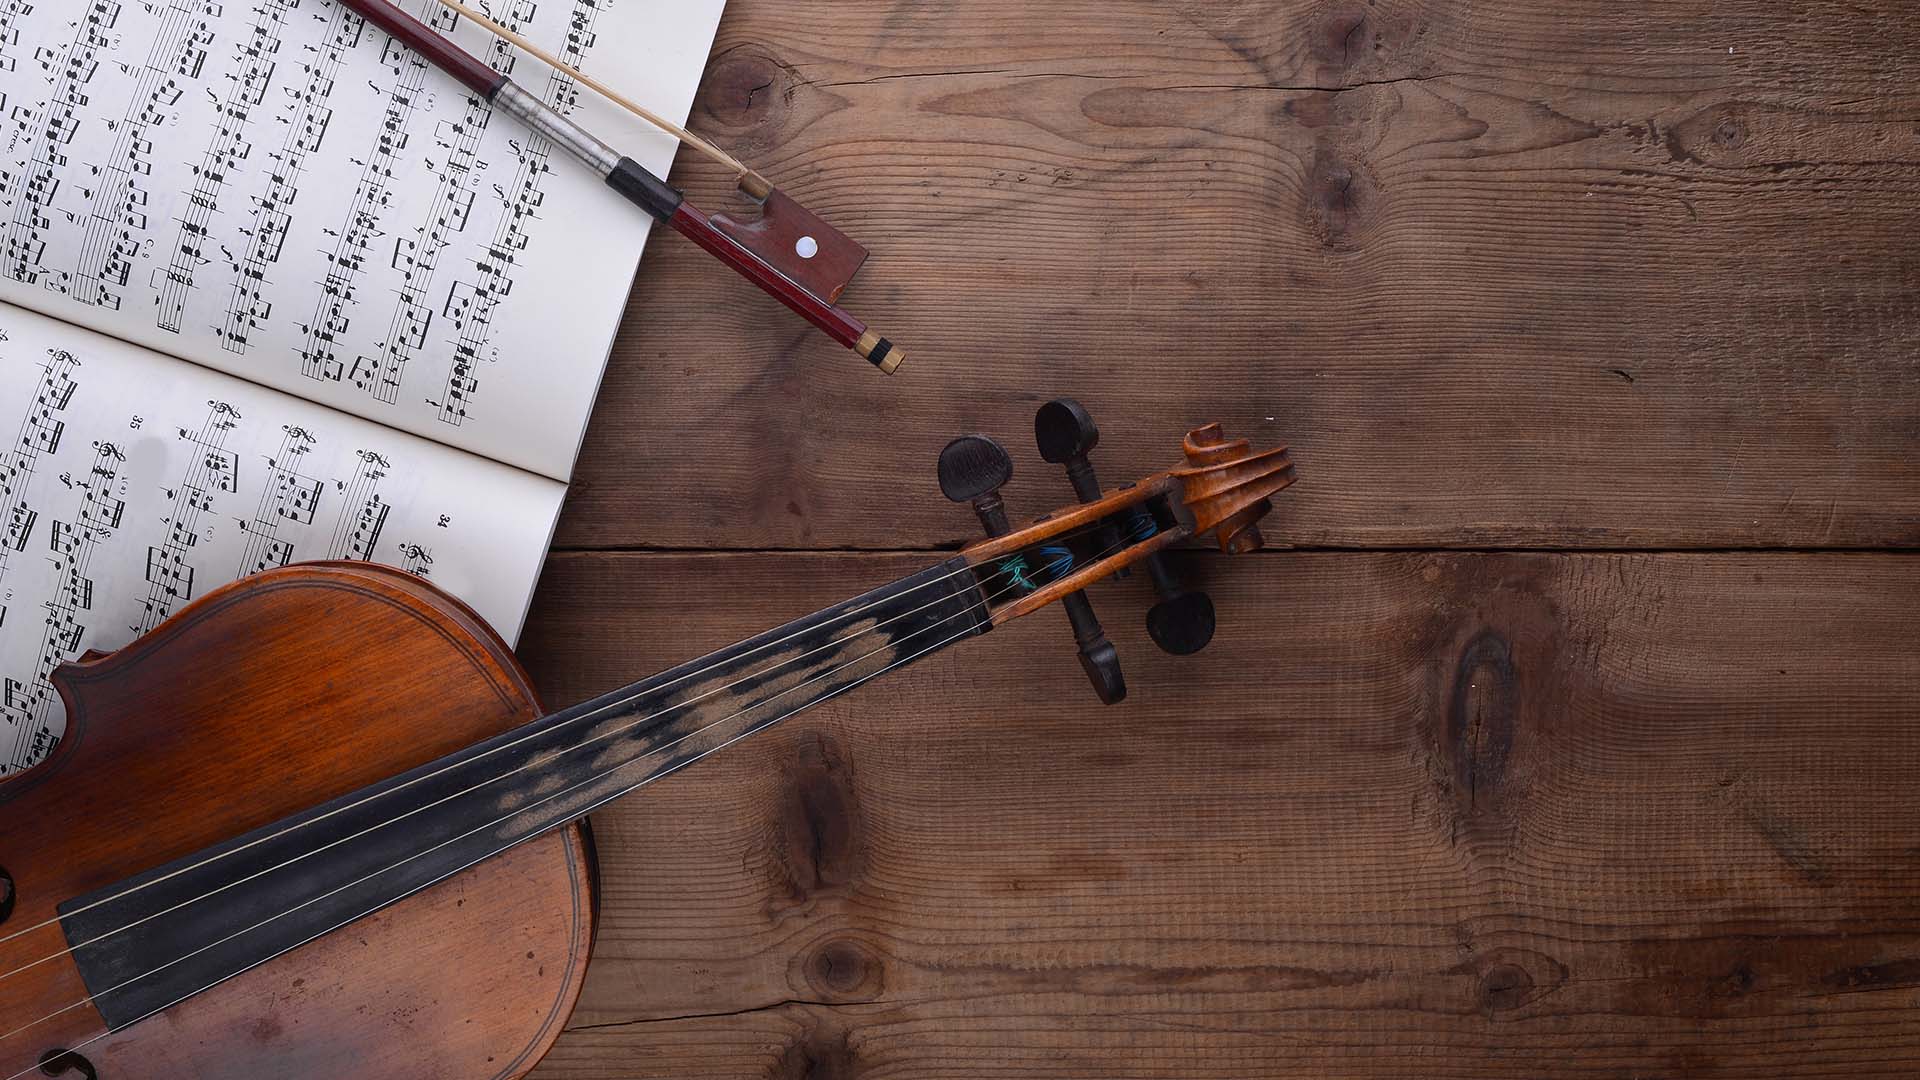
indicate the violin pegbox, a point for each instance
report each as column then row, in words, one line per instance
column 973, row 468
column 1224, row 490
column 1181, row 622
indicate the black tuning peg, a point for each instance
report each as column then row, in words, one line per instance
column 973, row 468
column 1182, row 622
column 1066, row 435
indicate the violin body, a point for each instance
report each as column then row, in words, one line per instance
column 265, row 697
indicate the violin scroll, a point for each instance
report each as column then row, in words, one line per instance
column 1228, row 488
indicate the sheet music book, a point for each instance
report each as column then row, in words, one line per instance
column 273, row 288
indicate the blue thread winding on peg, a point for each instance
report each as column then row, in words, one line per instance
column 1059, row 561
column 1016, row 571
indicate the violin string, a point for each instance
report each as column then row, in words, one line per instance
column 1013, row 583
column 845, row 616
column 426, row 885
column 235, row 883
column 505, row 775
column 985, row 603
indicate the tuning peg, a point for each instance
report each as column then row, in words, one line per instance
column 973, row 469
column 1066, row 434
column 1182, row 622
column 1098, row 657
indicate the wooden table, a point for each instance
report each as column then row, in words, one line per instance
column 1566, row 728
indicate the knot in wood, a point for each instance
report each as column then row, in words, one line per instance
column 817, row 837
column 820, row 1054
column 843, row 968
column 1342, row 38
column 744, row 90
column 1338, row 198
column 1506, row 979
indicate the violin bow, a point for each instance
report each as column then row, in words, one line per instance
column 791, row 253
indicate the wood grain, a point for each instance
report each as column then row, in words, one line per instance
column 1570, row 275
column 1411, row 814
column 1549, row 274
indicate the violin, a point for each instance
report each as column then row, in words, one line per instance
column 243, row 861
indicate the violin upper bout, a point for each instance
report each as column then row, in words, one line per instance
column 336, row 616
column 311, row 656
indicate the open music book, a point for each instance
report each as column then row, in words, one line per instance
column 272, row 288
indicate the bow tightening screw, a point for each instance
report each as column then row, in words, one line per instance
column 973, row 469
column 1182, row 622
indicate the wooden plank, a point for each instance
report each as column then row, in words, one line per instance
column 1554, row 274
column 1411, row 814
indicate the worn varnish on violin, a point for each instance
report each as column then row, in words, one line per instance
column 316, row 825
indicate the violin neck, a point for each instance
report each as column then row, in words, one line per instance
column 306, row 875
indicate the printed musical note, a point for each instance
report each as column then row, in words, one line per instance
column 255, row 61
column 26, row 701
column 212, row 470
column 117, row 211
column 288, row 498
column 363, row 513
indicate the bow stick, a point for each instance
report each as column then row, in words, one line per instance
column 752, row 184
column 788, row 251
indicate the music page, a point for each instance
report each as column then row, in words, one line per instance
column 130, row 484
column 277, row 190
